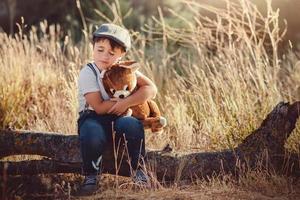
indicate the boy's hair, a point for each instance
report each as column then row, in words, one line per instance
column 112, row 43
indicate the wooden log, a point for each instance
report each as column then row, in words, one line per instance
column 264, row 147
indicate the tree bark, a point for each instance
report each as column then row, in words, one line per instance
column 262, row 148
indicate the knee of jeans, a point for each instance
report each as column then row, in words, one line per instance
column 130, row 126
column 92, row 134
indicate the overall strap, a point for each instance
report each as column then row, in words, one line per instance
column 92, row 68
column 90, row 65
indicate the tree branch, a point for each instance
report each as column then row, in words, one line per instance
column 264, row 147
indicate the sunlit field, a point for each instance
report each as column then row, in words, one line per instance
column 217, row 79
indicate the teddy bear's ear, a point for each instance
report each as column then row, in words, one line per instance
column 126, row 63
column 132, row 65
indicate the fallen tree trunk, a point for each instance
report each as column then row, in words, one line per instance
column 264, row 147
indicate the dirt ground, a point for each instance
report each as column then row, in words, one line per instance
column 62, row 186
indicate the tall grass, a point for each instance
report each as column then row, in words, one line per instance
column 217, row 77
column 38, row 81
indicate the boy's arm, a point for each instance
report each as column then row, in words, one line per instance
column 88, row 85
column 95, row 100
column 147, row 90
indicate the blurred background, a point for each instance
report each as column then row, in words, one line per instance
column 66, row 13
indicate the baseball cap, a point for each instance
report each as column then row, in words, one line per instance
column 116, row 33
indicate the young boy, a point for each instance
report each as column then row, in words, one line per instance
column 97, row 111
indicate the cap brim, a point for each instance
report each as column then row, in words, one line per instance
column 110, row 37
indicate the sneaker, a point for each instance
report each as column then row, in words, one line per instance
column 140, row 178
column 89, row 186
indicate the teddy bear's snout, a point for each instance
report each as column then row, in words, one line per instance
column 121, row 94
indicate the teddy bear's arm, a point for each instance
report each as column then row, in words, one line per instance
column 154, row 110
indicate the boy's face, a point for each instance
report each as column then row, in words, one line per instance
column 104, row 55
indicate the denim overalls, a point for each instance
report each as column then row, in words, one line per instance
column 95, row 133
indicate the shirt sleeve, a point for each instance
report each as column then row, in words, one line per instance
column 87, row 81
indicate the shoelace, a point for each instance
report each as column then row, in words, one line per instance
column 90, row 180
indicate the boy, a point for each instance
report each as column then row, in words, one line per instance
column 98, row 111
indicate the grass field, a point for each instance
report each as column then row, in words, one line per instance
column 217, row 79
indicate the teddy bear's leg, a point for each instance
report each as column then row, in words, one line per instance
column 127, row 113
column 162, row 121
column 158, row 124
column 155, row 123
column 147, row 123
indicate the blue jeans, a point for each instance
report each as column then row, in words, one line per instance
column 95, row 133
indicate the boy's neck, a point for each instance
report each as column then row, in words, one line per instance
column 99, row 67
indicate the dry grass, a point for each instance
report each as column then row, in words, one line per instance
column 254, row 185
column 217, row 80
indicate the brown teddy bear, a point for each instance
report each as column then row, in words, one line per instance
column 119, row 82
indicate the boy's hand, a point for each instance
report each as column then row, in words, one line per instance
column 119, row 108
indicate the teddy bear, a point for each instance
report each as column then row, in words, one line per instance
column 120, row 81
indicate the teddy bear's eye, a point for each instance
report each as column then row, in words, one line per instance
column 126, row 87
column 112, row 91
